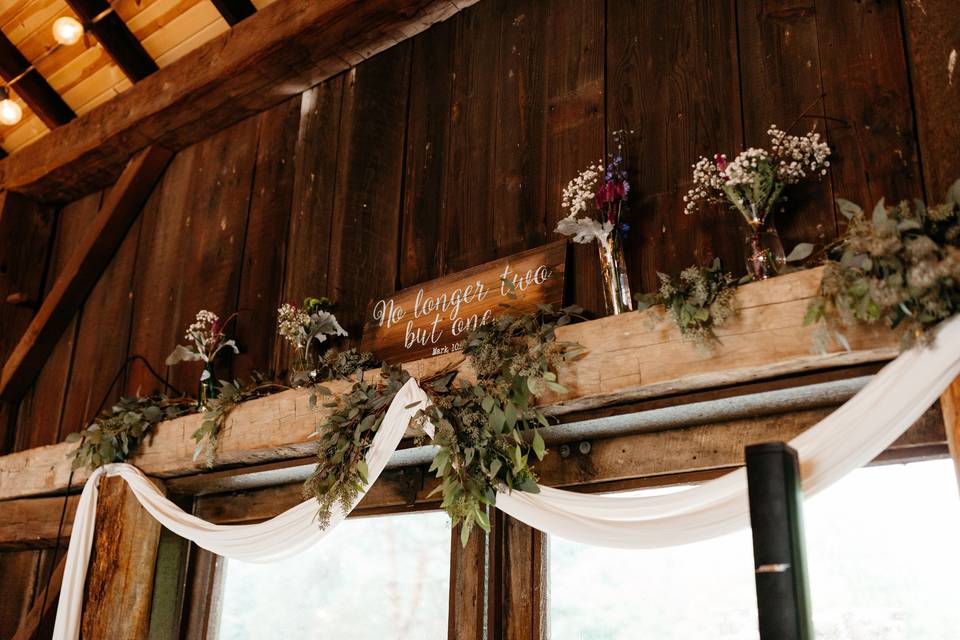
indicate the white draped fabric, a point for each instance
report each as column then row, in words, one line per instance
column 847, row 439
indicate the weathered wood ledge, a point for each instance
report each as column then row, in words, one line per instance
column 630, row 357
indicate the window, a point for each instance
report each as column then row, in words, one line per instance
column 370, row 578
column 882, row 553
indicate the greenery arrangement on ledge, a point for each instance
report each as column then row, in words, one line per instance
column 900, row 267
column 699, row 301
column 116, row 434
column 486, row 430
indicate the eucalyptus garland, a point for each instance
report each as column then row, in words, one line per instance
column 345, row 437
column 900, row 267
column 116, row 434
column 699, row 301
column 487, row 430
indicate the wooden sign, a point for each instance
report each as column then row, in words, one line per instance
column 435, row 317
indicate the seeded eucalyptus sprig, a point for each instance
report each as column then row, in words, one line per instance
column 486, row 430
column 345, row 437
column 116, row 434
column 699, row 301
column 899, row 267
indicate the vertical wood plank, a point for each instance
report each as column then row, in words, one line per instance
column 574, row 65
column 522, row 594
column 26, row 238
column 673, row 79
column 933, row 35
column 868, row 101
column 366, row 212
column 190, row 249
column 19, row 573
column 780, row 68
column 41, row 408
column 308, row 233
column 120, row 578
column 423, row 254
column 465, row 619
column 264, row 247
column 468, row 197
column 950, row 405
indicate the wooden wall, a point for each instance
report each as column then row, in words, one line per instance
column 452, row 148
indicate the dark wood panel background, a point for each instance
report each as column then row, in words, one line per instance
column 451, row 149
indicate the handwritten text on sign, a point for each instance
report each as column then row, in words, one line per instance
column 435, row 317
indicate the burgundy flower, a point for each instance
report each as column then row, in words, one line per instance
column 721, row 160
column 610, row 192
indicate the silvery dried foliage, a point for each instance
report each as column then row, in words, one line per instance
column 487, row 430
column 899, row 267
column 116, row 434
column 699, row 301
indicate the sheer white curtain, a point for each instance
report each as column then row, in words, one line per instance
column 847, row 439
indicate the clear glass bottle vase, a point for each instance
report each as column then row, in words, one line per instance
column 764, row 254
column 613, row 268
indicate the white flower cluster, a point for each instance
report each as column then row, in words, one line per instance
column 582, row 189
column 292, row 325
column 707, row 182
column 746, row 166
column 584, row 229
column 299, row 328
column 202, row 328
column 798, row 156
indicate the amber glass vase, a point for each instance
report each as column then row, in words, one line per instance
column 613, row 268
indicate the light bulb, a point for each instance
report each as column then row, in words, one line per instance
column 10, row 111
column 67, row 30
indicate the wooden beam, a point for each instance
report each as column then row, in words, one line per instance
column 233, row 11
column 32, row 87
column 120, row 576
column 286, row 48
column 950, row 404
column 34, row 523
column 630, row 357
column 115, row 37
column 42, row 607
column 83, row 269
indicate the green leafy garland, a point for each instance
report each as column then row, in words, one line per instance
column 698, row 302
column 486, row 431
column 116, row 434
column 901, row 268
column 346, row 436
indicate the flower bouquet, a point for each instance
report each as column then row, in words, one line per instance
column 753, row 184
column 597, row 200
column 306, row 328
column 208, row 338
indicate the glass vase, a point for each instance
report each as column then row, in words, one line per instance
column 208, row 385
column 613, row 267
column 764, row 251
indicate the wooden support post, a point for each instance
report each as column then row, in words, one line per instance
column 82, row 271
column 776, row 517
column 468, row 568
column 950, row 406
column 119, row 589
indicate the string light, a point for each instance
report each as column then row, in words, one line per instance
column 10, row 111
column 67, row 30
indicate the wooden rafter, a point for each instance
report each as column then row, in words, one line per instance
column 83, row 269
column 233, row 11
column 280, row 51
column 32, row 87
column 117, row 40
